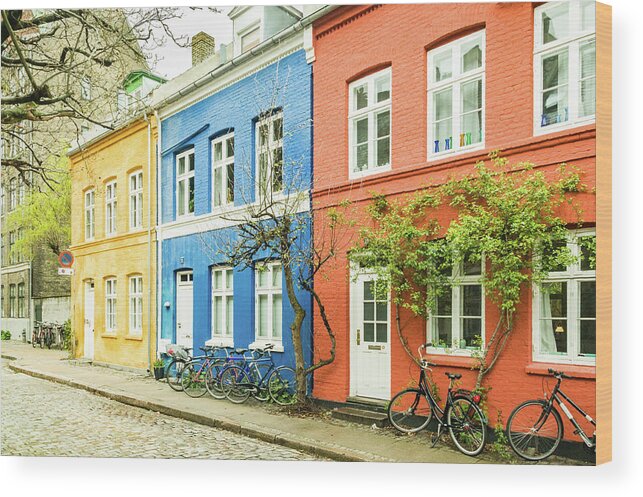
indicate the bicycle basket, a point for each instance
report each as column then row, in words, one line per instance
column 177, row 352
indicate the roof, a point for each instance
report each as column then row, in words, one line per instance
column 239, row 9
column 134, row 74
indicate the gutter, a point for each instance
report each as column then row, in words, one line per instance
column 240, row 59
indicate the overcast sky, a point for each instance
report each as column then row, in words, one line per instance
column 172, row 59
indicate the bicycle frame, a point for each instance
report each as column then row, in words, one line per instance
column 555, row 396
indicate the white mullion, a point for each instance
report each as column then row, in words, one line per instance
column 455, row 316
column 456, row 110
column 573, row 81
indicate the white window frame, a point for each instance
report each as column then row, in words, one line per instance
column 226, row 338
column 270, row 292
column 136, row 305
column 370, row 112
column 21, row 300
column 255, row 28
column 226, row 160
column 90, row 220
column 270, row 147
column 455, row 82
column 110, row 305
column 571, row 44
column 13, row 301
column 187, row 174
column 572, row 276
column 460, row 280
column 111, row 193
column 136, row 200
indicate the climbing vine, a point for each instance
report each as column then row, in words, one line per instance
column 504, row 216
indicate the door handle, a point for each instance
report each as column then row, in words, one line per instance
column 358, row 338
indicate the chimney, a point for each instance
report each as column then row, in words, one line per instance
column 202, row 47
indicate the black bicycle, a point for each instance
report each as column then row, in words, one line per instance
column 411, row 410
column 180, row 356
column 535, row 428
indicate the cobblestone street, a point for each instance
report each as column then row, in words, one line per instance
column 41, row 418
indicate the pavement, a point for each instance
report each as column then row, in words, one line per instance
column 319, row 435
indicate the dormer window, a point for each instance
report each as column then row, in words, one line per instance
column 250, row 39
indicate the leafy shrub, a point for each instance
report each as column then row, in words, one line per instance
column 5, row 335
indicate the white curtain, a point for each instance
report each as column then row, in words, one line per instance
column 547, row 340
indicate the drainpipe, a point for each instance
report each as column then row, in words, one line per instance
column 159, row 229
column 149, row 242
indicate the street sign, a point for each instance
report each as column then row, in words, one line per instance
column 65, row 271
column 66, row 258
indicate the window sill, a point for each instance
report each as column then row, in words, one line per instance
column 220, row 342
column 455, row 152
column 259, row 344
column 353, row 175
column 137, row 338
column 451, row 360
column 109, row 335
column 573, row 370
column 553, row 128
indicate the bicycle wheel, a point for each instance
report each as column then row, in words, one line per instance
column 193, row 379
column 235, row 384
column 213, row 379
column 533, row 434
column 259, row 377
column 173, row 373
column 409, row 411
column 467, row 426
column 282, row 386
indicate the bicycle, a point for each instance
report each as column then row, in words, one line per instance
column 535, row 427
column 411, row 410
column 213, row 374
column 37, row 335
column 261, row 378
column 193, row 376
column 180, row 357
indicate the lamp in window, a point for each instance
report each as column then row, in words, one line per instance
column 559, row 329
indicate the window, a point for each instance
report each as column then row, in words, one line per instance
column 250, row 39
column 564, row 308
column 268, row 302
column 89, row 214
column 85, row 89
column 136, row 200
column 222, row 303
column 223, row 170
column 270, row 133
column 110, row 305
column 369, row 124
column 12, row 301
column 185, row 183
column 135, row 305
column 21, row 300
column 456, row 95
column 2, row 200
column 21, row 192
column 110, row 208
column 458, row 320
column 564, row 65
column 2, row 313
column 12, row 242
column 13, row 194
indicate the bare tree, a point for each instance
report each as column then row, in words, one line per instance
column 61, row 72
column 274, row 222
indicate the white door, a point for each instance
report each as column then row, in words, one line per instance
column 370, row 339
column 89, row 319
column 184, row 308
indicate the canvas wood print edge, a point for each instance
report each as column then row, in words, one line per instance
column 604, row 233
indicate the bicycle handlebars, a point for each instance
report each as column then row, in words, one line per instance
column 559, row 374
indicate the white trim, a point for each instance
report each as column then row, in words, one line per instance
column 270, row 291
column 225, row 161
column 137, row 193
column 455, row 83
column 231, row 215
column 460, row 280
column 270, row 146
column 113, row 295
column 572, row 276
column 111, row 203
column 89, row 209
column 136, row 298
column 225, row 292
column 187, row 174
column 370, row 112
column 570, row 44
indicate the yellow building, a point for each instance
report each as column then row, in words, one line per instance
column 113, row 239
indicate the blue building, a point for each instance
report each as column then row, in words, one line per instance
column 234, row 127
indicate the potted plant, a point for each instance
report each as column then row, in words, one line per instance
column 159, row 369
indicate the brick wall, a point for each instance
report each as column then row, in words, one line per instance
column 399, row 36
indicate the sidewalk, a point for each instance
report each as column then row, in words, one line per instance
column 329, row 438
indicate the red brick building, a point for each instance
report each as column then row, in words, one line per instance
column 405, row 95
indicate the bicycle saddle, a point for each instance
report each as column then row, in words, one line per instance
column 453, row 376
column 240, row 351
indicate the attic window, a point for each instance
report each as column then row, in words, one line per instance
column 250, row 39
